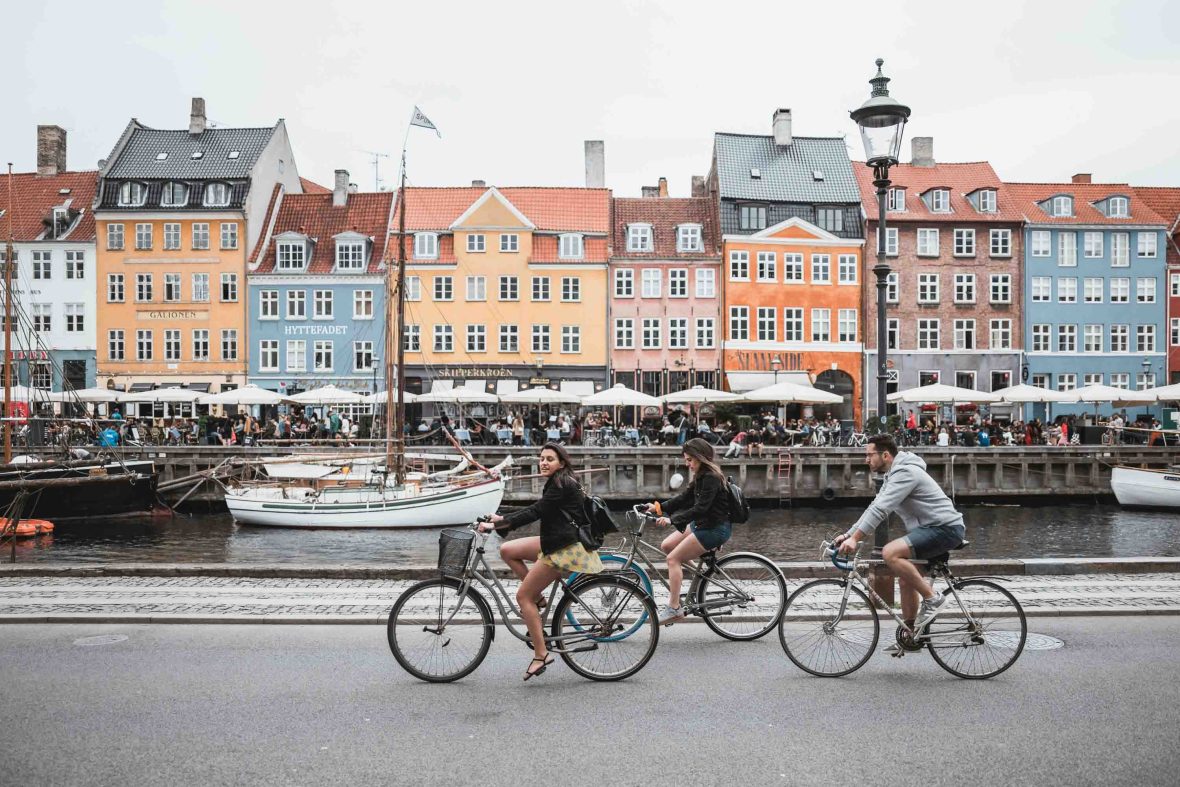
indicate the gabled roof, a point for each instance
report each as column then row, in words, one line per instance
column 1165, row 201
column 314, row 216
column 1028, row 195
column 492, row 194
column 960, row 178
column 311, row 187
column 34, row 198
column 549, row 209
column 787, row 174
column 665, row 214
column 138, row 157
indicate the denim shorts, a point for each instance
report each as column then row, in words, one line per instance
column 928, row 541
column 712, row 537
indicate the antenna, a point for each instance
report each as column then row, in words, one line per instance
column 376, row 157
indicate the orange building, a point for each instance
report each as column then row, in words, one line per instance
column 792, row 300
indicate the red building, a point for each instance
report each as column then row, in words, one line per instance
column 1166, row 202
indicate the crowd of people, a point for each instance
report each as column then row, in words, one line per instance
column 986, row 432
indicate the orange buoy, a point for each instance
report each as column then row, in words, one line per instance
column 31, row 527
column 43, row 525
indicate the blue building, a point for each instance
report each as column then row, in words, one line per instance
column 1094, row 289
column 317, row 291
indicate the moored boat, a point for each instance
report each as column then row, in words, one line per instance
column 80, row 490
column 1136, row 487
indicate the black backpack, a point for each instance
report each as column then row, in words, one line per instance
column 739, row 509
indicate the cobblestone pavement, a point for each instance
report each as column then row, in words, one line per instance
column 194, row 599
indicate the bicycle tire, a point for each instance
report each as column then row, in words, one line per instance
column 993, row 641
column 737, row 627
column 403, row 628
column 634, row 574
column 810, row 612
column 616, row 599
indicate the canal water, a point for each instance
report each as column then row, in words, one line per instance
column 1078, row 530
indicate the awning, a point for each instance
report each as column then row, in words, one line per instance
column 506, row 387
column 741, row 382
column 475, row 385
column 202, row 387
column 441, row 385
column 577, row 387
column 140, row 387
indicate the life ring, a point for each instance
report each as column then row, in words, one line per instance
column 828, row 494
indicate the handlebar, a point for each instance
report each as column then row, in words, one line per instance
column 828, row 551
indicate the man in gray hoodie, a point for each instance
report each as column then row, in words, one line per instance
column 932, row 524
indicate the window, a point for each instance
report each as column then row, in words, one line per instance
column 323, row 356
column 1143, row 381
column 752, row 217
column 1067, row 381
column 143, row 287
column 1120, row 380
column 362, row 356
column 143, row 345
column 821, row 325
column 928, row 335
column 1001, row 243
column 1040, row 338
column 1120, row 290
column 688, row 238
column 1062, row 206
column 1120, row 249
column 739, row 266
column 1000, row 334
column 1040, row 380
column 540, row 338
column 229, row 287
column 413, row 288
column 1175, row 285
column 42, row 317
column 540, row 288
column 296, row 356
column 964, row 243
column 706, row 281
column 570, row 247
column 1092, row 338
column 940, row 201
column 1093, row 288
column 444, row 339
column 830, row 219
column 624, row 283
column 171, row 236
column 767, row 265
column 296, row 305
column 477, row 288
column 200, row 236
column 114, row 237
column 509, row 242
column 1117, row 208
column 1067, row 290
column 476, row 243
column 143, row 237
column 115, row 293
column 1145, row 290
column 927, row 288
column 116, row 350
column 571, row 289
column 893, row 287
column 821, row 269
column 987, row 201
column 847, row 269
column 171, row 345
column 639, row 237
column 706, row 333
column 1092, row 245
column 1120, row 338
column 350, row 256
column 624, row 333
column 443, row 288
column 412, row 339
column 75, row 265
column 678, row 283
column 229, row 346
column 678, row 333
column 1145, row 338
column 1092, row 378
column 892, row 332
column 229, row 235
column 362, row 304
column 1001, row 288
column 964, row 288
column 1174, row 332
column 1041, row 243
column 650, row 333
column 171, row 287
column 792, row 324
column 896, row 201
column 268, row 304
column 1067, row 249
column 1146, row 242
column 1067, row 338
column 291, row 256
column 426, row 245
column 201, row 345
column 847, row 325
column 268, row 355
column 766, row 323
column 739, row 323
column 323, row 305
column 964, row 334
column 217, row 195
column 75, row 317
column 477, row 338
column 792, row 268
column 200, row 284
column 650, row 278
column 571, row 339
column 929, row 378
column 132, row 194
column 42, row 265
column 890, row 241
column 509, row 339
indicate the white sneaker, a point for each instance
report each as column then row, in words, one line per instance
column 930, row 607
column 668, row 615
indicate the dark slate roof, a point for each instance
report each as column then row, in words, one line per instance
column 786, row 172
column 138, row 159
column 108, row 197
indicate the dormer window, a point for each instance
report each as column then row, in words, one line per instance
column 1118, row 208
column 639, row 237
column 570, row 247
column 292, row 255
column 940, row 201
column 233, row 154
column 174, row 195
column 688, row 238
column 987, row 201
column 60, row 222
column 896, row 202
column 350, row 255
column 426, row 245
column 1063, row 206
column 217, row 194
column 132, row 194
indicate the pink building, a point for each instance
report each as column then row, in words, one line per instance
column 665, row 293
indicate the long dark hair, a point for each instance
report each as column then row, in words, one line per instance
column 566, row 473
column 702, row 451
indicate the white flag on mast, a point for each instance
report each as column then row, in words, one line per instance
column 421, row 120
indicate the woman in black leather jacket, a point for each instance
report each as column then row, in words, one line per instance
column 556, row 550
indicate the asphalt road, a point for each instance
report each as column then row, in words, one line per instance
column 210, row 705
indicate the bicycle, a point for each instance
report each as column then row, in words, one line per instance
column 441, row 629
column 739, row 596
column 856, row 440
column 830, row 628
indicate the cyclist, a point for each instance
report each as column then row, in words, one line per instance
column 556, row 550
column 701, row 515
column 933, row 526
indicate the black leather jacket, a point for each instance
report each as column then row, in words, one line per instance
column 559, row 507
column 704, row 501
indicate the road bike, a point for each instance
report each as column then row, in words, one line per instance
column 830, row 628
column 856, row 440
column 740, row 596
column 441, row 629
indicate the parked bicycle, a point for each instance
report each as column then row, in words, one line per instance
column 830, row 628
column 441, row 629
column 856, row 439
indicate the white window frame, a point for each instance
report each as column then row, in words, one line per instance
column 1042, row 337
column 1094, row 289
column 1120, row 249
column 1067, row 289
column 893, row 287
column 846, row 325
column 413, row 288
column 1062, row 206
column 229, row 235
column 624, row 333
column 323, row 305
column 361, row 350
column 476, row 338
column 1145, row 290
column 171, row 236
column 477, row 243
column 1067, row 249
column 477, row 288
column 927, row 242
column 509, row 242
column 965, row 288
column 229, row 288
column 116, row 345
column 509, row 338
column 132, row 194
column 793, row 324
column 793, row 268
column 200, row 340
column 639, row 238
column 323, row 356
column 172, row 288
column 987, row 201
column 964, row 242
column 571, row 339
column 217, row 195
column 821, row 268
column 570, row 246
column 1093, row 244
column 290, row 255
column 1000, row 334
column 1118, row 208
column 1120, row 289
column 1093, row 335
column 846, row 269
column 739, row 265
column 540, row 289
column 363, row 305
column 296, row 302
column 444, row 339
column 766, row 323
column 767, row 266
column 706, row 282
column 1146, row 245
column 115, row 237
column 689, row 238
column 443, row 289
column 571, row 290
column 1067, row 338
column 541, row 339
column 677, row 333
column 678, row 282
column 739, row 323
column 651, row 283
column 296, row 355
column 964, row 334
column 1000, row 243
column 1041, row 243
column 821, row 325
column 929, row 333
column 706, row 333
column 624, row 286
column 940, row 201
column 928, row 288
column 1120, row 338
column 1000, row 288
column 426, row 245
column 350, row 255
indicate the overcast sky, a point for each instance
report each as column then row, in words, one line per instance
column 1041, row 89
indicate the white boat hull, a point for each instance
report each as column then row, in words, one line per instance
column 1138, row 488
column 364, row 507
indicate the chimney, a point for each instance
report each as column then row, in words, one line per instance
column 595, row 164
column 922, row 151
column 782, row 127
column 340, row 191
column 479, row 183
column 51, row 150
column 196, row 118
column 663, row 187
column 649, row 192
column 1081, row 177
column 698, row 186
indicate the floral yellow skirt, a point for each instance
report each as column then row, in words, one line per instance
column 572, row 559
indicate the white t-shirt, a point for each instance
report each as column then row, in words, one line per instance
column 944, row 439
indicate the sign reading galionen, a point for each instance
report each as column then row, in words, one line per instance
column 172, row 314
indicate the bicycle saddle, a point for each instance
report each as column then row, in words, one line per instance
column 945, row 556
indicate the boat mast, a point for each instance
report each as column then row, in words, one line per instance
column 401, row 324
column 8, row 257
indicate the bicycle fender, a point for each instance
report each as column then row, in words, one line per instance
column 777, row 567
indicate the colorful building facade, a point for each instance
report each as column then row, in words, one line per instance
column 1166, row 204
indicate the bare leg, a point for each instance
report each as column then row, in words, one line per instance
column 539, row 577
column 688, row 549
column 897, row 556
column 517, row 551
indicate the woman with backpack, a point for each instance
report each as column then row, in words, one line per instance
column 556, row 551
column 701, row 515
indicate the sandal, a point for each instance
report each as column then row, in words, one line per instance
column 531, row 673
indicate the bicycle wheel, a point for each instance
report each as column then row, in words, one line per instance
column 820, row 637
column 754, row 593
column 613, row 564
column 435, row 634
column 982, row 636
column 606, row 605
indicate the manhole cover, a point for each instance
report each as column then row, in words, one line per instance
column 101, row 639
column 1042, row 642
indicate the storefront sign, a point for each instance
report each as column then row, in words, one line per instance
column 315, row 330
column 28, row 355
column 466, row 372
column 761, row 361
column 172, row 314
column 538, row 381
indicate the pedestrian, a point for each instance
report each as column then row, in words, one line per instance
column 735, row 446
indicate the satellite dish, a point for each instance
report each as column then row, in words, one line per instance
column 676, row 481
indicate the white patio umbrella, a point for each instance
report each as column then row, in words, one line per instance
column 87, row 395
column 1165, row 393
column 699, row 394
column 620, row 396
column 458, row 396
column 23, row 393
column 379, row 397
column 791, row 393
column 246, row 395
column 1105, row 394
column 1031, row 394
column 172, row 395
column 938, row 393
column 540, row 395
column 329, row 394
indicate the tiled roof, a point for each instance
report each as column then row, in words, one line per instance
column 787, row 174
column 109, row 196
column 545, row 250
column 139, row 156
column 959, row 179
column 1027, row 195
column 311, row 187
column 34, row 198
column 549, row 209
column 313, row 215
column 1164, row 201
column 665, row 214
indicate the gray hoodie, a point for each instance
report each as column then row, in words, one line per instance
column 913, row 495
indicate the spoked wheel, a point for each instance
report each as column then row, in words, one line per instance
column 753, row 591
column 983, row 636
column 435, row 634
column 602, row 607
column 613, row 565
column 823, row 640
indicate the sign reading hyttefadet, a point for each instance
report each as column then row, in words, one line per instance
column 315, row 330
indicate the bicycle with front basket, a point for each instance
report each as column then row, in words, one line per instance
column 830, row 628
column 441, row 629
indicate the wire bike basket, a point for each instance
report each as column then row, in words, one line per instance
column 454, row 550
